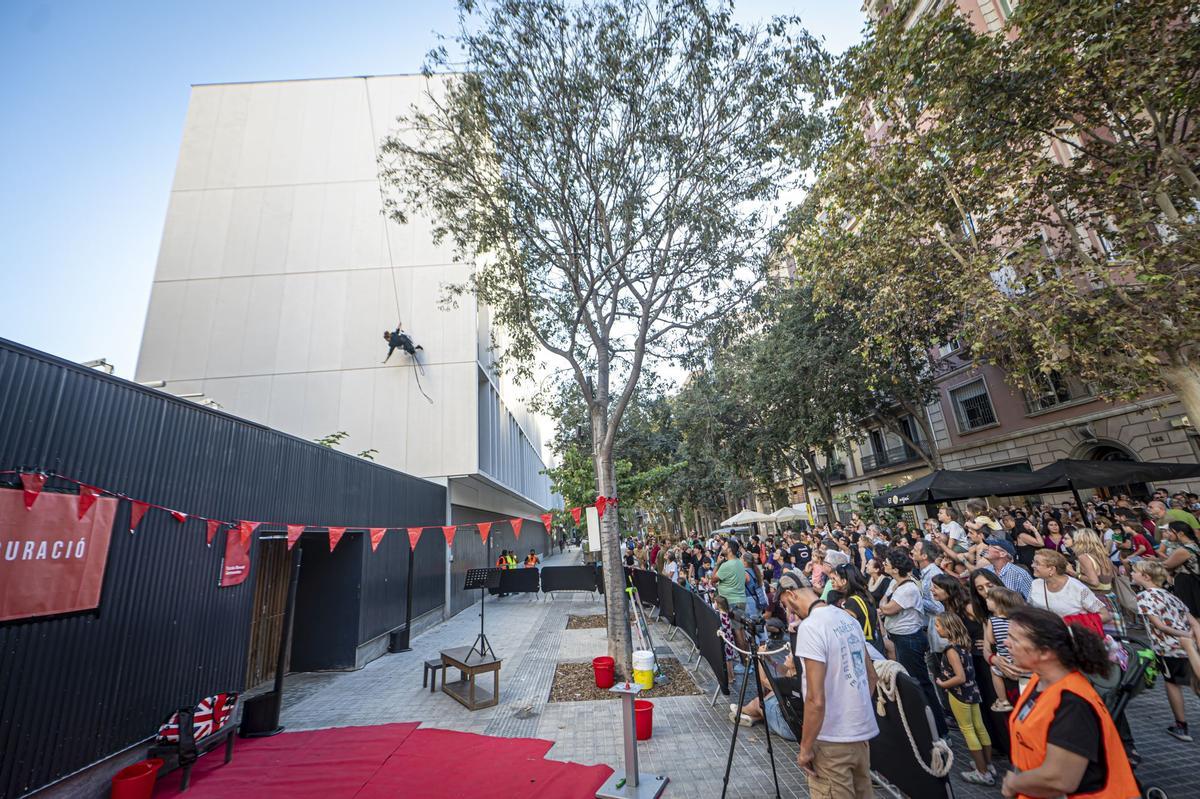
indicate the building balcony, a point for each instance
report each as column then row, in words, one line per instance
column 893, row 456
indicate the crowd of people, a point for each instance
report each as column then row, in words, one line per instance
column 1009, row 613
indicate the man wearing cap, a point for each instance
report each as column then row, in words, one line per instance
column 1000, row 556
column 839, row 715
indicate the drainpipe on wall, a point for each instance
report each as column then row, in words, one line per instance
column 449, row 557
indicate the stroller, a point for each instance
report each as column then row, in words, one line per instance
column 1119, row 686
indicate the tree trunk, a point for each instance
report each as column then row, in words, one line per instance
column 822, row 485
column 620, row 647
column 1183, row 377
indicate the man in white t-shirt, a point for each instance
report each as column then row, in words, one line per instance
column 949, row 518
column 839, row 716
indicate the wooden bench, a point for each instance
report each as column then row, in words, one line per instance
column 191, row 732
column 432, row 666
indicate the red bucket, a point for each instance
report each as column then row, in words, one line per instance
column 604, row 667
column 643, row 718
column 136, row 781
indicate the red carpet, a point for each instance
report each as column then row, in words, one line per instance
column 392, row 760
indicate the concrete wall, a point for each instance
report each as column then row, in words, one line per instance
column 278, row 274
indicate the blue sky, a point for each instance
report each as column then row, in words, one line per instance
column 94, row 99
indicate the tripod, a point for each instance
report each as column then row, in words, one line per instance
column 755, row 661
column 482, row 579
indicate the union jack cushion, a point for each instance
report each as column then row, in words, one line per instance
column 210, row 715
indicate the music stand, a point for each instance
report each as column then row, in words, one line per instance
column 482, row 579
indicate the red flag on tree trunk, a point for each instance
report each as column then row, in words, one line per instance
column 484, row 529
column 414, row 535
column 32, row 482
column 377, row 534
column 335, row 535
column 294, row 533
column 601, row 505
column 449, row 533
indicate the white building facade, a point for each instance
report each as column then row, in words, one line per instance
column 278, row 274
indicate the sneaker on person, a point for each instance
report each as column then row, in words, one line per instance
column 1179, row 732
column 1001, row 706
column 978, row 777
column 744, row 720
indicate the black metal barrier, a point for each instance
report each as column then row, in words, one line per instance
column 685, row 611
column 646, row 583
column 712, row 649
column 569, row 578
column 519, row 581
column 891, row 754
column 666, row 600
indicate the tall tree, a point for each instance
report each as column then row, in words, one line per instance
column 1032, row 193
column 606, row 166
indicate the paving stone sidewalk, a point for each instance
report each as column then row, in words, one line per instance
column 691, row 739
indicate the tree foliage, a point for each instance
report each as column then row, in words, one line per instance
column 1031, row 193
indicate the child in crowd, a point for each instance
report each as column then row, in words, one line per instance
column 1172, row 636
column 1000, row 603
column 957, row 677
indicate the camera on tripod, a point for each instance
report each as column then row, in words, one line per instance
column 750, row 623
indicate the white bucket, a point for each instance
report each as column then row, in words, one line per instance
column 643, row 668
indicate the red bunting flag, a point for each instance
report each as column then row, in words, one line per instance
column 32, row 483
column 449, row 533
column 178, row 516
column 247, row 531
column 335, row 535
column 546, row 519
column 484, row 529
column 414, row 535
column 213, row 526
column 575, row 514
column 601, row 505
column 136, row 511
column 87, row 497
column 377, row 534
column 516, row 525
column 294, row 533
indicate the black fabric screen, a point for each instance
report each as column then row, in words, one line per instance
column 568, row 578
column 666, row 599
column 891, row 754
column 685, row 614
column 646, row 583
column 708, row 624
column 519, row 581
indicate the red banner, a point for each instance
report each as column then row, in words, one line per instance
column 294, row 533
column 414, row 535
column 484, row 529
column 236, row 566
column 546, row 519
column 213, row 526
column 575, row 514
column 52, row 562
column 449, row 533
column 377, row 534
column 516, row 525
column 601, row 505
column 178, row 516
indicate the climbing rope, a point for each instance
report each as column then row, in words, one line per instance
column 941, row 758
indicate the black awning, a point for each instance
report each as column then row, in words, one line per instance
column 947, row 484
column 1064, row 474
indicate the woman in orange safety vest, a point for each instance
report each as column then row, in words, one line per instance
column 1064, row 742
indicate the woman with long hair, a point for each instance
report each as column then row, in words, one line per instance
column 1096, row 571
column 877, row 581
column 982, row 581
column 852, row 595
column 949, row 591
column 1064, row 743
column 1053, row 535
column 1183, row 563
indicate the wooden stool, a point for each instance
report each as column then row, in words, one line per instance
column 432, row 666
